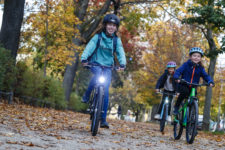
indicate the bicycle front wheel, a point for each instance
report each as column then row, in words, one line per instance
column 192, row 122
column 177, row 125
column 97, row 111
column 163, row 120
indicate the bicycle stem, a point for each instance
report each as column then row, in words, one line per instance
column 192, row 92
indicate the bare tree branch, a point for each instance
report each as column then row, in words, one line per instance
column 97, row 20
column 139, row 2
column 175, row 17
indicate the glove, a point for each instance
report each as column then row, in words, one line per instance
column 122, row 66
column 84, row 61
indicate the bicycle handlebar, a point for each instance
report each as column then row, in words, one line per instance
column 161, row 92
column 89, row 65
column 194, row 84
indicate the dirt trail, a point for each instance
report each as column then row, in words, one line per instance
column 27, row 128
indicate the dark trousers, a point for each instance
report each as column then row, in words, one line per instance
column 107, row 72
column 163, row 100
column 185, row 91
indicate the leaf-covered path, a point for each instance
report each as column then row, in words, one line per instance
column 24, row 127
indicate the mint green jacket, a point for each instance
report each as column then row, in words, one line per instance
column 104, row 54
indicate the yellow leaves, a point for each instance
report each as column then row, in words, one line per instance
column 116, row 141
column 218, row 139
column 147, row 144
column 87, row 142
column 61, row 30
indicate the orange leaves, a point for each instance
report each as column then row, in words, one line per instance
column 24, row 143
column 35, row 118
column 70, row 130
column 63, row 127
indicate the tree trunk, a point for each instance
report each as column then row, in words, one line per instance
column 155, row 108
column 137, row 116
column 220, row 101
column 11, row 25
column 69, row 76
column 211, row 71
column 46, row 38
column 80, row 12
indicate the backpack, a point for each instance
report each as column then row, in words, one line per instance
column 98, row 44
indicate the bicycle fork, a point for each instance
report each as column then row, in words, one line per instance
column 165, row 104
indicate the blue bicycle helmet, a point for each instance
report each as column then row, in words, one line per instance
column 111, row 18
column 196, row 50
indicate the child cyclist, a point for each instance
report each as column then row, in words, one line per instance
column 191, row 71
column 101, row 53
column 166, row 82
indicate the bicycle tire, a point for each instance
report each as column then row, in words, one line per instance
column 97, row 111
column 192, row 122
column 163, row 119
column 178, row 127
column 91, row 103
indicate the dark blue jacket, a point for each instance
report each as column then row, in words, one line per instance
column 185, row 71
column 162, row 80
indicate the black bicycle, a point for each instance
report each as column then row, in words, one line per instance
column 188, row 115
column 165, row 109
column 96, row 101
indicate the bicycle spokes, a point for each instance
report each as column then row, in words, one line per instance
column 191, row 129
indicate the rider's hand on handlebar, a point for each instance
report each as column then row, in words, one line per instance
column 84, row 63
column 157, row 90
column 178, row 81
column 211, row 84
column 121, row 68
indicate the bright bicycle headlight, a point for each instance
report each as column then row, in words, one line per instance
column 101, row 79
column 166, row 100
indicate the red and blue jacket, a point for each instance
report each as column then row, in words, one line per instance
column 186, row 71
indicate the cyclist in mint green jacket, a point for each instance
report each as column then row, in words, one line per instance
column 100, row 50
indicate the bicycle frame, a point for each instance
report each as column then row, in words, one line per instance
column 166, row 103
column 99, row 83
column 188, row 115
column 184, row 108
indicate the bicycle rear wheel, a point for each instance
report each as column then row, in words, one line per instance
column 97, row 111
column 192, row 122
column 163, row 120
column 177, row 126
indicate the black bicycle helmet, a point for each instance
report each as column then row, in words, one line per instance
column 111, row 18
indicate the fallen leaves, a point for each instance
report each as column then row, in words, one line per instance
column 36, row 118
column 50, row 123
column 25, row 143
column 8, row 134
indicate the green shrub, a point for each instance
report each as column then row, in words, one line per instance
column 33, row 84
column 75, row 103
column 7, row 70
column 54, row 93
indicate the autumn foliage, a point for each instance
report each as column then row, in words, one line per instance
column 56, row 38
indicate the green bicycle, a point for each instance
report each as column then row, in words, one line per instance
column 188, row 115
